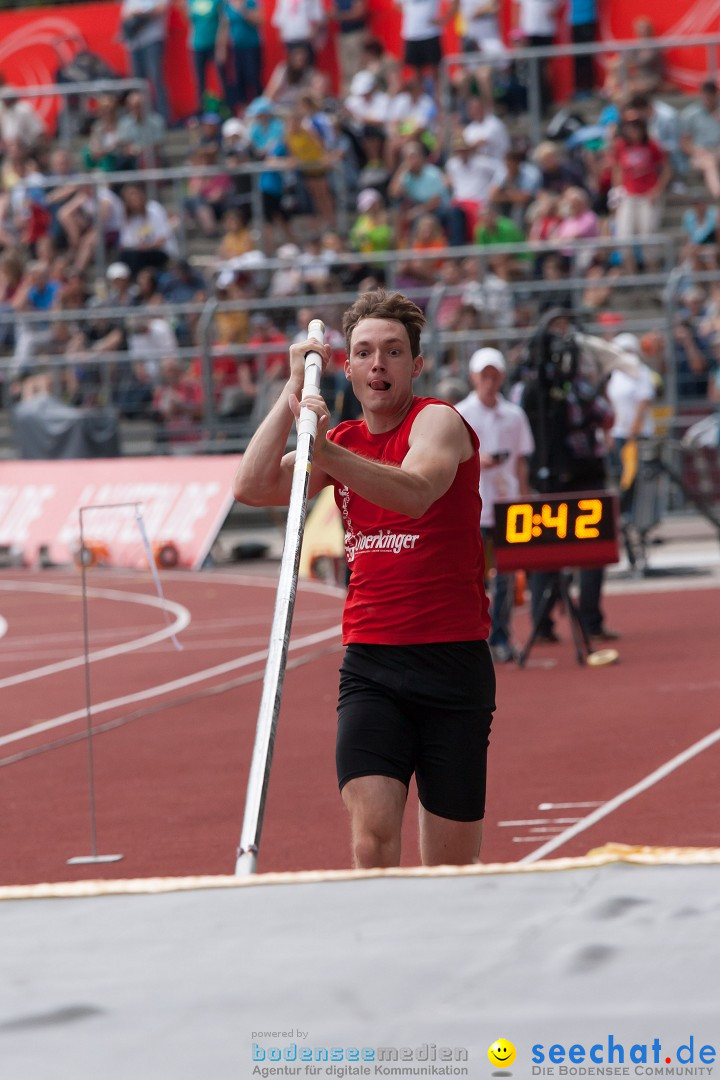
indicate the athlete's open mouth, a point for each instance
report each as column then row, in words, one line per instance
column 379, row 384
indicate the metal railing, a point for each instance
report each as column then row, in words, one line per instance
column 436, row 341
column 536, row 56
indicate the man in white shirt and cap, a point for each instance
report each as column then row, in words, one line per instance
column 506, row 441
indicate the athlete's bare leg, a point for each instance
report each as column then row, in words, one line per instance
column 446, row 842
column 375, row 805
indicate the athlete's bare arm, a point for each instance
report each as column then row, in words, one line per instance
column 264, row 476
column 439, row 441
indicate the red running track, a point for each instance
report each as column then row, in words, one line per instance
column 579, row 756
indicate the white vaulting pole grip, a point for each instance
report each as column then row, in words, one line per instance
column 307, row 423
column 269, row 710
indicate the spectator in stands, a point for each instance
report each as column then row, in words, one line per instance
column 663, row 123
column 150, row 338
column 240, row 38
column 103, row 150
column 143, row 25
column 38, row 291
column 371, row 230
column 537, row 23
column 305, row 142
column 178, row 403
column 135, row 393
column 62, row 165
column 12, row 268
column 692, row 360
column 641, row 172
column 598, row 290
column 366, row 102
column 557, row 170
column 299, row 24
column 578, row 222
column 645, row 65
column 231, row 327
column 182, row 284
column 204, row 24
column 121, row 291
column 472, row 177
column 493, row 228
column 374, row 173
column 379, row 62
column 208, row 197
column 266, row 136
column 287, row 279
column 140, row 132
column 93, row 215
column 290, row 77
column 513, row 192
column 268, row 363
column 427, row 235
column 351, row 17
column 488, row 292
column 236, row 237
column 485, row 132
column 421, row 35
column 418, row 188
column 19, row 121
column 582, row 17
column 555, row 268
column 481, row 34
column 700, row 224
column 92, row 378
column 410, row 112
column 146, row 238
column 700, row 135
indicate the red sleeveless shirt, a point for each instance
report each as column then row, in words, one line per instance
column 413, row 580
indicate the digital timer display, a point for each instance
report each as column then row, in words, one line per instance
column 554, row 531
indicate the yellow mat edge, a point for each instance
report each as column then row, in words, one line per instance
column 598, row 857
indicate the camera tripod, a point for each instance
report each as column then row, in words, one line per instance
column 558, row 586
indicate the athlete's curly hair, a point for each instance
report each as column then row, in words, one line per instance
column 380, row 304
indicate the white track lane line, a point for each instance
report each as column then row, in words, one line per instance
column 3, row 626
column 182, row 620
column 166, row 688
column 625, row 796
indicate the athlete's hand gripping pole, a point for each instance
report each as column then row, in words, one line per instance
column 260, row 765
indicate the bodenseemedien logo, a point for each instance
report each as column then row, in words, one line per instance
column 344, row 1062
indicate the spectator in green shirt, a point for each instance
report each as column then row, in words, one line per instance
column 204, row 19
column 493, row 228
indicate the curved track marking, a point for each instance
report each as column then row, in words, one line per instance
column 3, row 626
column 166, row 688
column 625, row 796
column 182, row 620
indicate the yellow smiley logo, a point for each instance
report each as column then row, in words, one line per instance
column 502, row 1053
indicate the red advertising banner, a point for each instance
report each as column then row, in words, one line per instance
column 183, row 501
column 35, row 43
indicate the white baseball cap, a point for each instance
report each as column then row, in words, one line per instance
column 485, row 358
column 118, row 270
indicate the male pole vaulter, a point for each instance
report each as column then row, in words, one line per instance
column 417, row 685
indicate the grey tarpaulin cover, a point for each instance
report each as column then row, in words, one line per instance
column 48, row 429
column 201, row 983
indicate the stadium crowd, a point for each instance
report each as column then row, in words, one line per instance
column 380, row 164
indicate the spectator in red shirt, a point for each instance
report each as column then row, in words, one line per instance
column 641, row 172
column 267, row 366
column 178, row 403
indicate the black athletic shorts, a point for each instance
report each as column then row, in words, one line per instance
column 424, row 53
column 423, row 709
